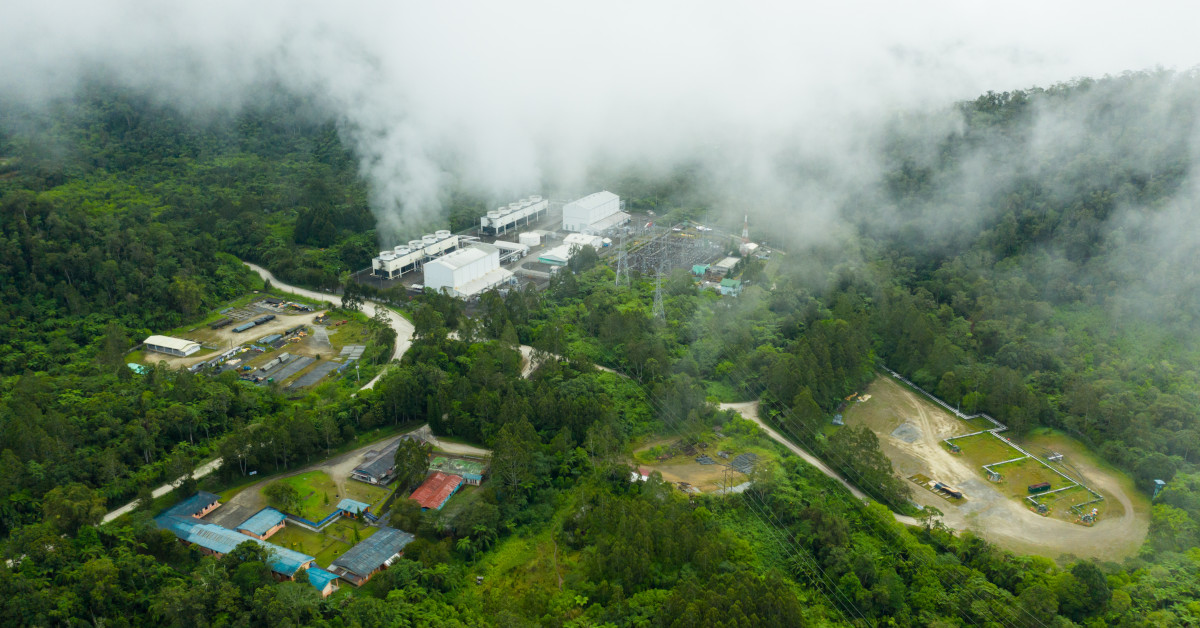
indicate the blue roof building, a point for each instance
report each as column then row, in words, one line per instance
column 181, row 519
column 201, row 502
column 353, row 507
column 218, row 540
column 373, row 554
column 263, row 523
column 322, row 580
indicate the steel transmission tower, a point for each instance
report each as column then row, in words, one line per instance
column 622, row 265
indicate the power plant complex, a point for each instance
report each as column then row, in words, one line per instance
column 463, row 266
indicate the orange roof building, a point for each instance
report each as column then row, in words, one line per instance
column 436, row 489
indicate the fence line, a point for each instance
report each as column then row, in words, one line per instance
column 995, row 431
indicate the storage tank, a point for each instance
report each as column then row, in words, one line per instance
column 402, row 251
column 442, row 234
column 514, row 206
column 493, row 214
column 504, row 212
column 428, row 239
column 398, row 248
column 382, row 253
column 535, row 198
column 416, row 244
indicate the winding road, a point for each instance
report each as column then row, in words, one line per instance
column 749, row 410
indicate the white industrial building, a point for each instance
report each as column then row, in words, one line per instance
column 504, row 219
column 467, row 272
column 171, row 346
column 557, row 256
column 594, row 213
column 406, row 258
column 581, row 239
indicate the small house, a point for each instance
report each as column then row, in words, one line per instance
column 263, row 524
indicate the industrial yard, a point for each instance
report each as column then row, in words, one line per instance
column 911, row 430
column 292, row 344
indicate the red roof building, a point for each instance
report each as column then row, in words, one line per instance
column 436, row 489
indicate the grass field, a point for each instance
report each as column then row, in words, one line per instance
column 319, row 495
column 1060, row 504
column 984, row 449
column 1018, row 476
column 320, row 546
column 343, row 530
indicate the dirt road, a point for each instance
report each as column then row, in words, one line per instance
column 749, row 410
column 987, row 512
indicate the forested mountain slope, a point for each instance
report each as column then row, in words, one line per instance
column 1006, row 297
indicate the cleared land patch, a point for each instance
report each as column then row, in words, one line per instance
column 994, row 511
column 676, row 459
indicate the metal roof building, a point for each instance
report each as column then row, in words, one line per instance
column 181, row 519
column 263, row 523
column 171, row 346
column 557, row 256
column 373, row 554
column 594, row 213
column 436, row 489
column 379, row 469
column 353, row 506
column 218, row 540
column 323, row 581
column 467, row 272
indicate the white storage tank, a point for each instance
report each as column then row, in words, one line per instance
column 382, row 253
column 530, row 239
column 535, row 198
column 402, row 251
column 415, row 244
column 514, row 206
column 428, row 239
column 442, row 234
column 494, row 214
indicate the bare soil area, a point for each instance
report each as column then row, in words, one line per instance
column 986, row 511
column 683, row 468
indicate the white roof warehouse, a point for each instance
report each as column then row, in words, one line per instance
column 171, row 346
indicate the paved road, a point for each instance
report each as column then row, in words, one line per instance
column 749, row 410
column 200, row 472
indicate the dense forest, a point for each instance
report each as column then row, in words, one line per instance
column 1021, row 309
